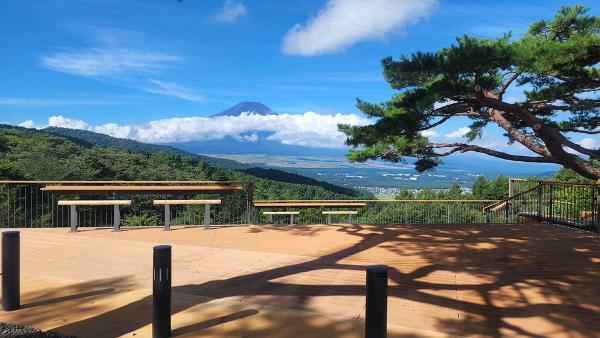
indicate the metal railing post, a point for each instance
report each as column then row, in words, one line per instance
column 207, row 217
column 167, row 217
column 250, row 202
column 550, row 200
column 539, row 203
column 376, row 302
column 11, row 293
column 116, row 218
column 161, row 292
column 597, row 211
column 73, row 218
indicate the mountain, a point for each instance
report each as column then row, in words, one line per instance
column 245, row 107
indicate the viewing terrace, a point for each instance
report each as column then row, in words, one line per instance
column 485, row 268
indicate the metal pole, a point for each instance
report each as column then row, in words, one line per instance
column 161, row 292
column 207, row 217
column 539, row 203
column 10, row 271
column 376, row 308
column 167, row 218
column 550, row 207
column 250, row 202
column 116, row 218
column 73, row 215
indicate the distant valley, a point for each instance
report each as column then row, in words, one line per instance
column 387, row 178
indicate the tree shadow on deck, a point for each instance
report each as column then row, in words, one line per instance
column 501, row 279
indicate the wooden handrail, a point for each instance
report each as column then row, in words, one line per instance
column 93, row 202
column 117, row 182
column 309, row 204
column 186, row 202
column 367, row 201
column 138, row 188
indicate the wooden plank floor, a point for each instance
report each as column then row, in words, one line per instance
column 257, row 281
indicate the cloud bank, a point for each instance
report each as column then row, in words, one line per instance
column 342, row 23
column 309, row 129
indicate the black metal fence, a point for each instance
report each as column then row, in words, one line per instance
column 572, row 205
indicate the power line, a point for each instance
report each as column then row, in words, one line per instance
column 405, row 13
column 462, row 13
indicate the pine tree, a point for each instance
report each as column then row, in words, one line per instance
column 554, row 64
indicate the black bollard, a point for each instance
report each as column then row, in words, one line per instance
column 376, row 309
column 161, row 292
column 11, row 298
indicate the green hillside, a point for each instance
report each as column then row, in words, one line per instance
column 105, row 141
column 38, row 154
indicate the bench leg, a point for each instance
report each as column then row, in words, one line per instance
column 207, row 217
column 270, row 219
column 167, row 218
column 73, row 218
column 329, row 219
column 349, row 219
column 291, row 219
column 116, row 218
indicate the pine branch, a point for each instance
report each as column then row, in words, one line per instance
column 463, row 147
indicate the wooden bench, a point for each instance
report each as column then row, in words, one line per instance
column 116, row 211
column 168, row 203
column 331, row 213
column 290, row 213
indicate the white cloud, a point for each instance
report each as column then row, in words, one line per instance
column 42, row 102
column 121, row 65
column 460, row 132
column 342, row 23
column 27, row 124
column 587, row 142
column 231, row 11
column 308, row 129
column 172, row 89
column 247, row 138
column 108, row 62
column 65, row 122
column 429, row 133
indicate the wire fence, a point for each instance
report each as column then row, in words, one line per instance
column 26, row 204
column 387, row 212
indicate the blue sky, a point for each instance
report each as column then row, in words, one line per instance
column 126, row 63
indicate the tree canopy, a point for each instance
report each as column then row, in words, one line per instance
column 554, row 65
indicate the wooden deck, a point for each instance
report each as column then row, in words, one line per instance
column 308, row 280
